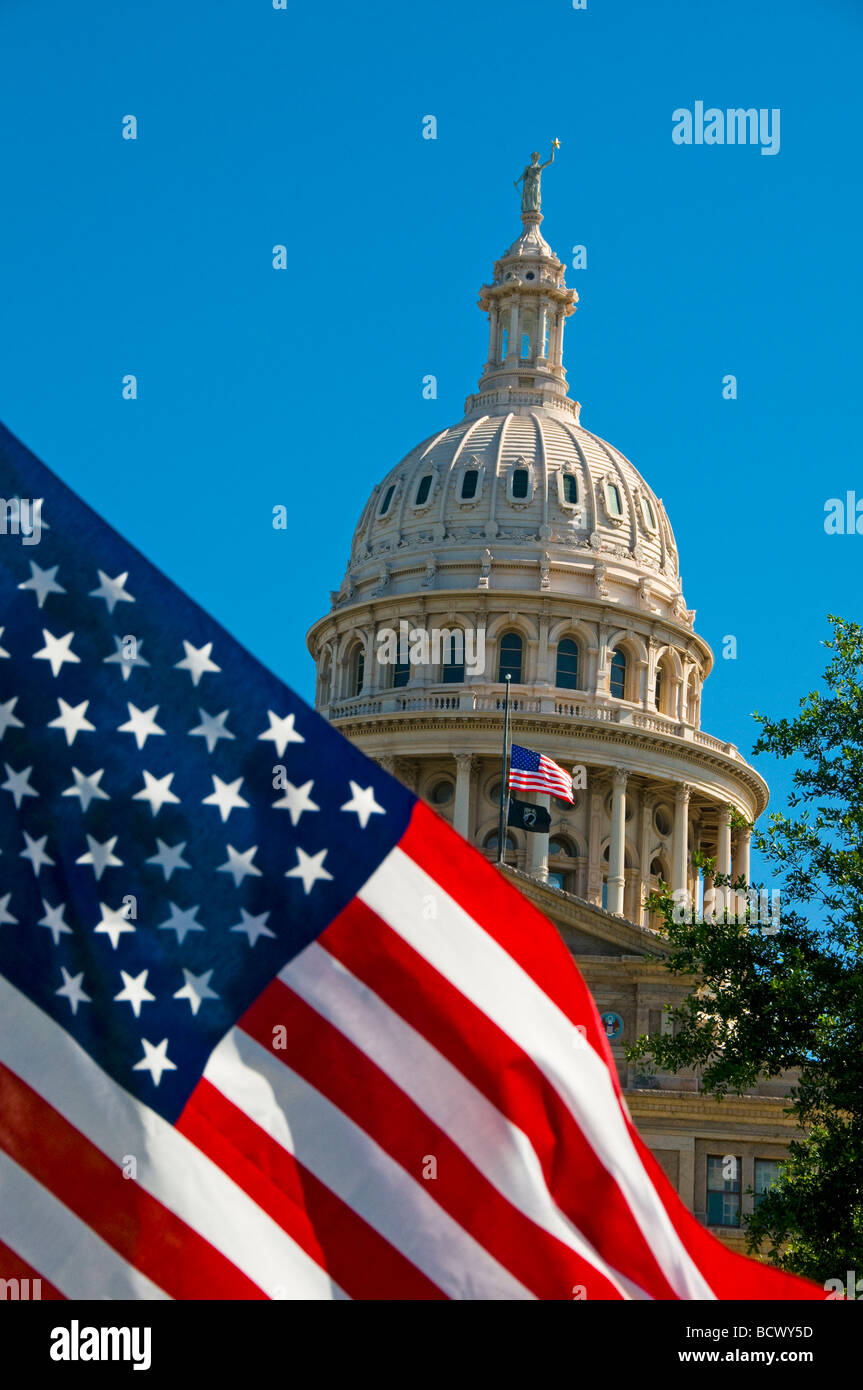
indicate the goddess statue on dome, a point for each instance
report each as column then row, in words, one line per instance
column 530, row 180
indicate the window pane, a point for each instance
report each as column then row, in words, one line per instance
column 360, row 670
column 424, row 489
column 519, row 482
column 570, row 488
column 567, row 664
column 468, row 483
column 612, row 493
column 401, row 674
column 388, row 497
column 617, row 683
column 511, row 648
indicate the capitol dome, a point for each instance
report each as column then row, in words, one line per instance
column 521, row 529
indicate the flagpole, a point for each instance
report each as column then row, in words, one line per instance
column 504, row 789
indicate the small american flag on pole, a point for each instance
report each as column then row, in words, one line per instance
column 534, row 772
column 269, row 1028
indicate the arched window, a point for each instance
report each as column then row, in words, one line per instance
column 520, row 480
column 657, row 689
column 612, row 497
column 492, row 841
column 560, row 847
column 617, row 682
column 511, row 658
column 423, row 490
column 567, row 664
column 388, row 497
column 358, row 670
column 401, row 674
column 452, row 656
column 570, row 488
column 470, row 478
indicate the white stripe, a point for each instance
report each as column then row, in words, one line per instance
column 353, row 1166
column 500, row 1150
column 458, row 948
column 169, row 1167
column 62, row 1247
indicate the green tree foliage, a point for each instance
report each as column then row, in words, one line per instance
column 767, row 1003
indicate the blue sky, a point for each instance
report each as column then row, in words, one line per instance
column 303, row 387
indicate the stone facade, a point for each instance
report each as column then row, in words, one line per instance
column 521, row 527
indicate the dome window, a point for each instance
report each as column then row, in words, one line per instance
column 388, row 497
column 441, row 794
column 452, row 667
column 469, row 482
column 511, row 658
column 663, row 820
column 617, row 681
column 423, row 490
column 520, row 482
column 647, row 511
column 567, row 665
column 358, row 671
column 570, row 489
column 612, row 499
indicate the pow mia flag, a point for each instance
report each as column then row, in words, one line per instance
column 533, row 819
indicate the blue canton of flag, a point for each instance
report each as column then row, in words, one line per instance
column 156, row 868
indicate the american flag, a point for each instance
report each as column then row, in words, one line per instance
column 270, row 1028
column 534, row 772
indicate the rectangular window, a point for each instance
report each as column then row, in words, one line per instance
column 767, row 1172
column 723, row 1190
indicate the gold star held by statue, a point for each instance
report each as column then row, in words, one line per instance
column 555, row 144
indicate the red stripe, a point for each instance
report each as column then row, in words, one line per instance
column 359, row 1259
column 362, row 1091
column 13, row 1267
column 138, row 1226
column 509, row 1078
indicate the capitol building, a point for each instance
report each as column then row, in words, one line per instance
column 532, row 535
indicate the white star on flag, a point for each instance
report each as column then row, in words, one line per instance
column 53, row 920
column 42, row 582
column 18, row 783
column 87, row 789
column 309, row 867
column 114, row 923
column 296, row 800
column 212, row 728
column 196, row 989
column 100, row 856
column 56, row 650
column 281, row 731
column 240, row 865
column 7, row 916
column 112, row 590
column 363, row 803
column 72, row 721
column 253, row 927
column 71, row 989
column 197, row 661
column 134, row 991
column 181, row 922
column 169, row 857
column 7, row 719
column 157, row 791
column 226, row 796
column 155, row 1059
column 35, row 852
column 141, row 723
column 3, row 651
column 126, row 663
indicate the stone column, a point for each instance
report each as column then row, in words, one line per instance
column 617, row 842
column 539, row 845
column 680, row 836
column 493, row 325
column 740, row 862
column 542, row 315
column 723, row 855
column 647, row 808
column 461, row 811
column 594, row 850
column 513, row 349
